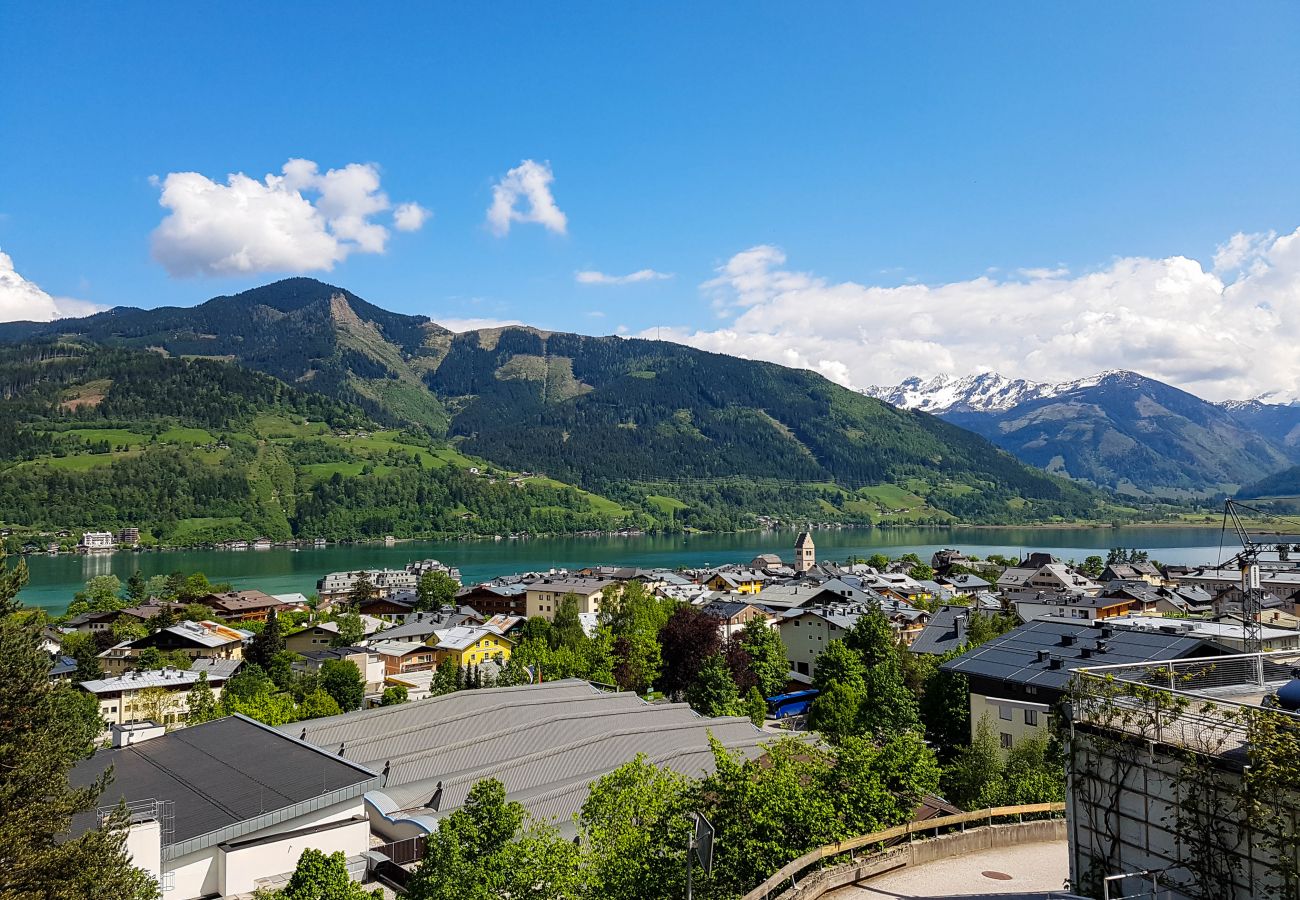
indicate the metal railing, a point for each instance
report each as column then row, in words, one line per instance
column 796, row 867
column 1203, row 704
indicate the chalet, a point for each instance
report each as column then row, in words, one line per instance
column 491, row 599
column 807, row 631
column 1134, row 571
column 965, row 583
column 390, row 606
column 1018, row 576
column 734, row 615
column 404, row 656
column 736, row 581
column 420, row 626
column 1031, row 606
column 197, row 640
column 243, row 606
column 324, row 634
column 367, row 660
column 943, row 560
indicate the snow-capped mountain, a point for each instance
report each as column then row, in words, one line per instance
column 985, row 392
column 1118, row 429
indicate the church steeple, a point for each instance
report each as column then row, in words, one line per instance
column 805, row 553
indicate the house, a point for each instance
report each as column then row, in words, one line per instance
column 197, row 640
column 965, row 583
column 807, row 631
column 391, row 606
column 492, row 599
column 324, row 634
column 156, row 695
column 243, row 606
column 1030, row 606
column 218, row 807
column 1019, row 575
column 404, row 656
column 943, row 560
column 96, row 540
column 420, row 626
column 1018, row 678
column 367, row 660
column 734, row 615
column 546, row 743
column 543, row 597
column 1232, row 601
column 1283, row 582
column 1134, row 571
column 468, row 646
column 945, row 632
column 736, row 581
column 1229, row 633
column 93, row 622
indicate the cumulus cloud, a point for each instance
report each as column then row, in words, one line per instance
column 300, row 220
column 589, row 276
column 25, row 301
column 410, row 216
column 529, row 182
column 1172, row 319
column 474, row 324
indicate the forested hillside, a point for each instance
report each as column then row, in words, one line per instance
column 670, row 435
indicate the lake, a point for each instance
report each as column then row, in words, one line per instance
column 54, row 579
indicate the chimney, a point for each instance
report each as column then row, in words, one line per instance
column 961, row 628
column 1067, row 640
column 1054, row 663
column 1043, row 655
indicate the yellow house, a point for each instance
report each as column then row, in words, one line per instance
column 466, row 646
column 543, row 597
column 744, row 582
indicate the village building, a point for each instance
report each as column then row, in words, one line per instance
column 197, row 640
column 156, row 695
column 543, row 597
column 243, row 606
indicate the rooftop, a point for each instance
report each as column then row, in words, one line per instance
column 220, row 775
column 216, row 669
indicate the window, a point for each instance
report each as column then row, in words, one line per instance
column 801, row 668
column 1004, row 712
column 1006, row 741
column 1031, row 717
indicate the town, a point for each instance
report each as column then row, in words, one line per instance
column 379, row 709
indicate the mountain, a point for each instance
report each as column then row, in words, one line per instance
column 662, row 430
column 1117, row 429
column 1278, row 423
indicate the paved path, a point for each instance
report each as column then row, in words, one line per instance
column 1036, row 872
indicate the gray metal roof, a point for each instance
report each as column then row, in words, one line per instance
column 1014, row 657
column 224, row 777
column 546, row 743
column 940, row 633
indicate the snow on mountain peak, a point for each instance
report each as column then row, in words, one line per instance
column 983, row 392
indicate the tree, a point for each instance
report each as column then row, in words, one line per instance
column 435, row 590
column 266, row 643
column 157, row 704
column 872, row 638
column 351, row 630
column 45, row 730
column 635, row 823
column 317, row 704
column 713, row 692
column 688, row 638
column 921, row 572
column 81, row 646
column 321, row 877
column 1093, row 566
column 974, row 779
column 11, row 582
column 566, row 627
column 945, row 710
column 200, row 701
column 756, row 707
column 136, row 590
column 739, row 663
column 101, row 594
column 878, row 561
column 835, row 712
column 878, row 785
column 767, row 656
column 363, row 590
column 837, row 664
column 393, row 695
column 342, row 680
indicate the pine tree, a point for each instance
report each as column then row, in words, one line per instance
column 201, row 703
column 266, row 644
column 44, row 730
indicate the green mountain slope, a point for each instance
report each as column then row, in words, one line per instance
column 674, row 434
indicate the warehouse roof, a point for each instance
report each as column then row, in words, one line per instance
column 221, row 777
column 546, row 743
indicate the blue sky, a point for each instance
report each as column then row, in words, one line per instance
column 878, row 146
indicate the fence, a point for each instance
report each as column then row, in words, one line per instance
column 797, row 867
column 404, row 852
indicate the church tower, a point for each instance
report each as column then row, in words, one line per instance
column 805, row 553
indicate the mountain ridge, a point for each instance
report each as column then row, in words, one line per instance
column 625, row 416
column 1117, row 429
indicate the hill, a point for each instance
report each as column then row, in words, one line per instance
column 1119, row 430
column 677, row 434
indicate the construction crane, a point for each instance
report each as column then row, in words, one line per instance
column 1247, row 561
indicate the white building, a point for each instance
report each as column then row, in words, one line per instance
column 97, row 540
column 220, row 807
column 158, row 695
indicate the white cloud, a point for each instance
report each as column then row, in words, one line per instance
column 410, row 216
column 299, row 220
column 25, row 301
column 531, row 182
column 1241, row 251
column 474, row 324
column 589, row 276
column 1171, row 319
